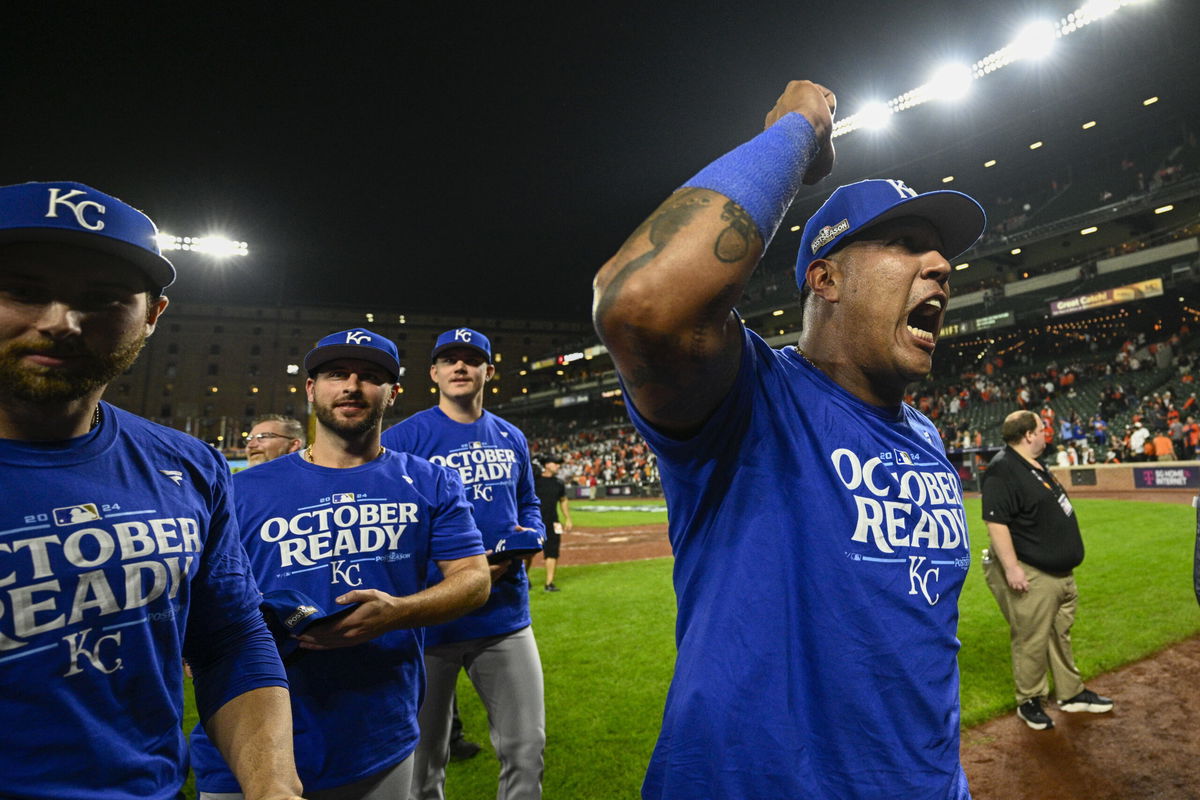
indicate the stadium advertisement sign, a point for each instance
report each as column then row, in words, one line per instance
column 979, row 324
column 1108, row 297
column 1167, row 478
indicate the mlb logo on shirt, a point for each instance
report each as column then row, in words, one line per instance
column 73, row 515
column 343, row 497
column 476, row 445
column 903, row 457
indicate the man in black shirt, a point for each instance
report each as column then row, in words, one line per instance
column 1035, row 546
column 553, row 497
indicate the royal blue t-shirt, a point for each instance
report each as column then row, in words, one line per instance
column 491, row 457
column 820, row 547
column 325, row 532
column 119, row 556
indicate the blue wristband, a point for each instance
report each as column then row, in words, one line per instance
column 763, row 175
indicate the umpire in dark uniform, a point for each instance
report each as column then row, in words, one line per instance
column 1035, row 546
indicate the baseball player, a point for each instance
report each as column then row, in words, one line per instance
column 495, row 644
column 347, row 522
column 119, row 551
column 816, row 624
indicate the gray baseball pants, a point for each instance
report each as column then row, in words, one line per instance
column 389, row 784
column 507, row 673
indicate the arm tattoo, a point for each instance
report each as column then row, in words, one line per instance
column 661, row 227
column 734, row 242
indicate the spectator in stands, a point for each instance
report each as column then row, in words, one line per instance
column 1137, row 441
column 1164, row 450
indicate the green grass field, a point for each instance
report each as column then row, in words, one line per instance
column 607, row 644
column 618, row 513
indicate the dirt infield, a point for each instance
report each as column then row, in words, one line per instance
column 1147, row 747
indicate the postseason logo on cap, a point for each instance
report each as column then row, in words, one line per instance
column 828, row 234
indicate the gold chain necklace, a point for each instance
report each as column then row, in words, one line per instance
column 308, row 453
column 807, row 360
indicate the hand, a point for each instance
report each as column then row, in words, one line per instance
column 1016, row 578
column 818, row 106
column 379, row 613
column 498, row 571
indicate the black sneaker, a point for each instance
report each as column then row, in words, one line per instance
column 1031, row 713
column 461, row 750
column 550, row 587
column 1087, row 700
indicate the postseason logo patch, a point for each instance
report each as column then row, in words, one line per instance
column 828, row 234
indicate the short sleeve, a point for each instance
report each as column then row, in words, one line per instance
column 454, row 534
column 1000, row 503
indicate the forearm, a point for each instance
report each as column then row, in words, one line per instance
column 253, row 731
column 1002, row 545
column 460, row 590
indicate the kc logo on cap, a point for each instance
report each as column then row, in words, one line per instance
column 853, row 208
column 65, row 212
column 462, row 337
column 358, row 343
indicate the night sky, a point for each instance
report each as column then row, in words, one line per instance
column 488, row 158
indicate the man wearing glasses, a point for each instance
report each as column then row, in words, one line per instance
column 272, row 436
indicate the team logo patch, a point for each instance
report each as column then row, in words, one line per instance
column 343, row 497
column 73, row 515
column 903, row 458
column 828, row 234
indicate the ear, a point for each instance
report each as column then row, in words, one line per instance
column 433, row 372
column 491, row 370
column 824, row 277
column 154, row 311
column 308, row 388
column 392, row 395
column 294, row 446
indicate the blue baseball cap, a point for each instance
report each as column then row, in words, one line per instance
column 462, row 337
column 959, row 219
column 357, row 343
column 516, row 544
column 72, row 213
column 289, row 613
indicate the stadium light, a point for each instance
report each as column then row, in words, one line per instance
column 1089, row 125
column 1035, row 40
column 991, row 162
column 1036, row 145
column 876, row 116
column 1164, row 209
column 963, row 265
column 948, row 179
column 1086, row 231
column 1016, row 251
column 216, row 246
column 1149, row 101
column 950, row 82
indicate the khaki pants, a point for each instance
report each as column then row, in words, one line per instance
column 1040, row 623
